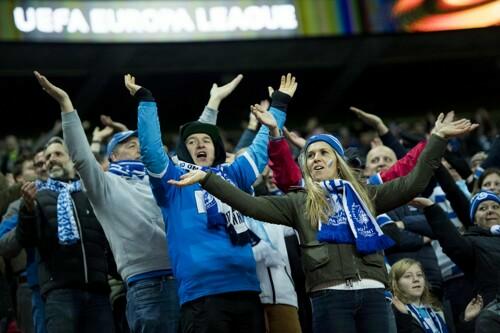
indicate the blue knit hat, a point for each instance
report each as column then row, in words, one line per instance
column 480, row 197
column 328, row 138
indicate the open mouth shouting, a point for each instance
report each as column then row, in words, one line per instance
column 201, row 156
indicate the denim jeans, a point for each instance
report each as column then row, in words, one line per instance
column 153, row 306
column 38, row 311
column 349, row 311
column 74, row 311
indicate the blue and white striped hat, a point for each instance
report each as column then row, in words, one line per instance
column 480, row 197
column 328, row 138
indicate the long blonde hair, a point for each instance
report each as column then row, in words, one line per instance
column 317, row 206
column 397, row 271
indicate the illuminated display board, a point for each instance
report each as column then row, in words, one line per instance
column 206, row 20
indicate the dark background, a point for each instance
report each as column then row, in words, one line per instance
column 392, row 75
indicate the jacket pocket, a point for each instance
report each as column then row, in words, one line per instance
column 315, row 255
column 373, row 259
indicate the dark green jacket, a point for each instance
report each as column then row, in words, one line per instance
column 328, row 264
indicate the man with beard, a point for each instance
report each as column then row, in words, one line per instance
column 132, row 221
column 57, row 219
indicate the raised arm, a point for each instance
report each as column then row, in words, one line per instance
column 217, row 94
column 493, row 159
column 404, row 165
column 272, row 209
column 153, row 154
column 249, row 133
column 400, row 191
column 458, row 200
column 115, row 125
column 457, row 247
column 382, row 130
column 280, row 99
column 90, row 172
column 286, row 172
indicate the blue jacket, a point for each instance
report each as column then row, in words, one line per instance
column 31, row 264
column 8, row 224
column 204, row 261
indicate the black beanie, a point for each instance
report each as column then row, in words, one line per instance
column 199, row 127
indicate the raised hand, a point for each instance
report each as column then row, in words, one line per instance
column 107, row 121
column 446, row 127
column 288, row 85
column 224, row 91
column 294, row 138
column 190, row 178
column 217, row 94
column 265, row 103
column 55, row 92
column 265, row 118
column 473, row 308
column 129, row 81
column 253, row 123
column 28, row 192
column 99, row 135
column 371, row 120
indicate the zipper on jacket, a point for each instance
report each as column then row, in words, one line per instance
column 85, row 270
column 290, row 277
column 272, row 284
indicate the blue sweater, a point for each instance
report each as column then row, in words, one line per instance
column 204, row 261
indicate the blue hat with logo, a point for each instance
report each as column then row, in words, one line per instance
column 117, row 139
column 481, row 197
column 328, row 138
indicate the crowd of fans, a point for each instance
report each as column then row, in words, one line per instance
column 378, row 227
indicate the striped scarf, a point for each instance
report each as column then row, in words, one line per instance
column 428, row 319
column 352, row 222
column 67, row 230
column 220, row 214
column 128, row 169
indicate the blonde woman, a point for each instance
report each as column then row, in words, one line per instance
column 415, row 309
column 334, row 216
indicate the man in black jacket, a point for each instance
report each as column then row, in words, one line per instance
column 57, row 219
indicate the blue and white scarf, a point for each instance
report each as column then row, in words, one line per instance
column 220, row 214
column 352, row 222
column 428, row 319
column 128, row 169
column 67, row 230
